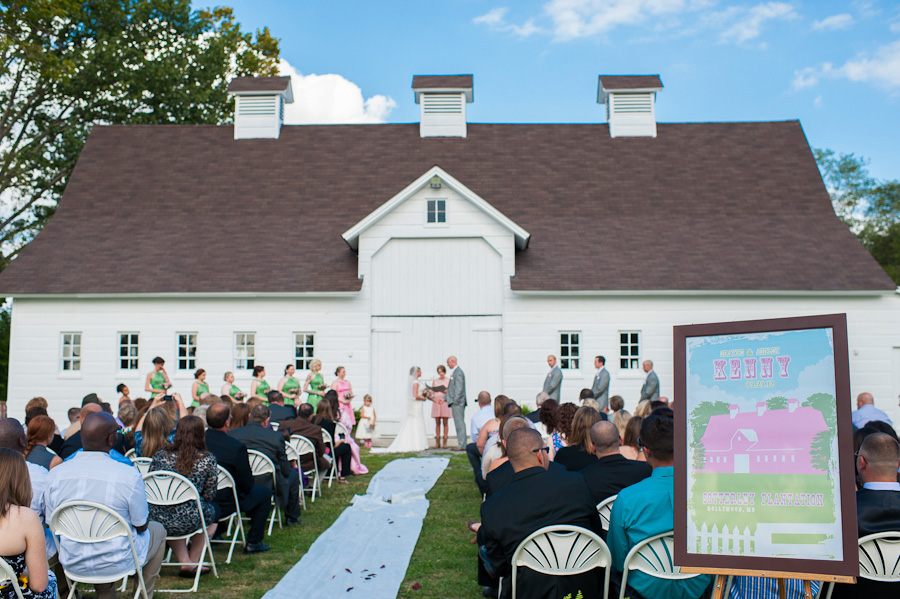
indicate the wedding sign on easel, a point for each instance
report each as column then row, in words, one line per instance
column 764, row 473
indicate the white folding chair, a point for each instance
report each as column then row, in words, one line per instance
column 329, row 442
column 604, row 508
column 131, row 454
column 653, row 557
column 340, row 429
column 879, row 558
column 274, row 425
column 89, row 522
column 293, row 456
column 305, row 446
column 164, row 487
column 261, row 465
column 8, row 577
column 561, row 550
column 142, row 464
column 231, row 521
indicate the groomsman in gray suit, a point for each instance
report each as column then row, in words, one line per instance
column 650, row 390
column 456, row 399
column 600, row 388
column 554, row 379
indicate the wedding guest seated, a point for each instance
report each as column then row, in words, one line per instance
column 616, row 403
column 629, row 447
column 127, row 415
column 153, row 432
column 493, row 425
column 22, row 541
column 877, row 506
column 256, row 436
column 646, row 509
column 13, row 436
column 560, row 438
column 303, row 427
column 503, row 473
column 187, row 456
column 325, row 418
column 535, row 415
column 882, row 427
column 240, row 414
column 279, row 411
column 482, row 416
column 492, row 449
column 346, row 418
column 643, row 408
column 658, row 403
column 553, row 497
column 92, row 475
column 40, row 434
column 231, row 454
column 505, row 430
column 72, row 415
column 73, row 440
column 579, row 454
column 866, row 411
column 612, row 472
column 620, row 419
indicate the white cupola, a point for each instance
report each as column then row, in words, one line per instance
column 630, row 104
column 259, row 105
column 443, row 99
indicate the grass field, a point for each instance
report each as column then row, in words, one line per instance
column 443, row 563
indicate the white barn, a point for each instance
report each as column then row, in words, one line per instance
column 378, row 247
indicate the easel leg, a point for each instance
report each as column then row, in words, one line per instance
column 807, row 589
column 719, row 586
column 782, row 588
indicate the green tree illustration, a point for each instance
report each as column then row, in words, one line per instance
column 699, row 421
column 777, row 403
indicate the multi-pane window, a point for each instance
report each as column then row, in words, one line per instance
column 629, row 350
column 128, row 351
column 70, row 352
column 569, row 350
column 304, row 349
column 437, row 211
column 187, row 351
column 244, row 351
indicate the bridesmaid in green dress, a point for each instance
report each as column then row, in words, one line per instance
column 157, row 379
column 199, row 388
column 258, row 386
column 314, row 386
column 289, row 386
column 230, row 389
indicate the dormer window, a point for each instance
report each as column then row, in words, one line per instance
column 437, row 211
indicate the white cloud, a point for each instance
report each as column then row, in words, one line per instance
column 331, row 99
column 883, row 69
column 580, row 18
column 895, row 27
column 818, row 102
column 805, row 78
column 496, row 19
column 748, row 22
column 841, row 21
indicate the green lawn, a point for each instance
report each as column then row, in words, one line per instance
column 443, row 563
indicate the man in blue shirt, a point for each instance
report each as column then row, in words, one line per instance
column 647, row 509
column 867, row 412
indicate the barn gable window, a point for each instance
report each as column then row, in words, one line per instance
column 187, row 350
column 128, row 351
column 304, row 350
column 569, row 350
column 244, row 351
column 70, row 352
column 629, row 350
column 436, row 211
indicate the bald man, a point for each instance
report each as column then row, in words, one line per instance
column 866, row 411
column 93, row 475
column 73, row 441
column 534, row 498
column 612, row 472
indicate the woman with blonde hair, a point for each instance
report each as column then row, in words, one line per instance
column 230, row 389
column 22, row 543
column 643, row 409
column 492, row 426
column 620, row 419
column 579, row 453
column 314, row 386
column 41, row 430
column 630, row 447
column 153, row 432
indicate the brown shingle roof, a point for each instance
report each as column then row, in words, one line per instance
column 439, row 81
column 611, row 82
column 259, row 84
column 731, row 206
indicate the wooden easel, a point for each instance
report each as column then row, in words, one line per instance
column 782, row 577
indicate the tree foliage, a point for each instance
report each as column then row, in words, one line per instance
column 869, row 207
column 777, row 403
column 66, row 65
column 699, row 421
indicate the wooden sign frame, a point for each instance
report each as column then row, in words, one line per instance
column 842, row 569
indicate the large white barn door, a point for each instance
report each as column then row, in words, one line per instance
column 399, row 343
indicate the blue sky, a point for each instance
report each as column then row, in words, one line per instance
column 835, row 66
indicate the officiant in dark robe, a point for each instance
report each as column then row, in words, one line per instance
column 534, row 498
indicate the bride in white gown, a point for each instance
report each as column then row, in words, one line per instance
column 412, row 434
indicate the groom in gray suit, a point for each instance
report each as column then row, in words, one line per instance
column 456, row 399
column 600, row 388
column 554, row 379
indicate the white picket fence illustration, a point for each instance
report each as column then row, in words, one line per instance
column 734, row 541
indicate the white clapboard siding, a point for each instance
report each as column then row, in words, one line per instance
column 435, row 277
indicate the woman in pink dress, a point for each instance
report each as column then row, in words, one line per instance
column 344, row 391
column 356, row 465
column 440, row 411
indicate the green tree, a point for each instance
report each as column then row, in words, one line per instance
column 777, row 403
column 825, row 403
column 820, row 450
column 66, row 65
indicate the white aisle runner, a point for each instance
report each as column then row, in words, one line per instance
column 366, row 551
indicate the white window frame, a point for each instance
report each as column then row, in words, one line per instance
column 244, row 350
column 566, row 360
column 301, row 362
column 437, row 212
column 190, row 361
column 133, row 353
column 74, row 359
column 634, row 360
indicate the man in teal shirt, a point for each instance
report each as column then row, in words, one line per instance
column 647, row 509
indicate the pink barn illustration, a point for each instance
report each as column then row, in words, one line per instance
column 764, row 441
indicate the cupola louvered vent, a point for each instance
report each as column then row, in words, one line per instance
column 259, row 106
column 443, row 103
column 443, row 99
column 630, row 104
